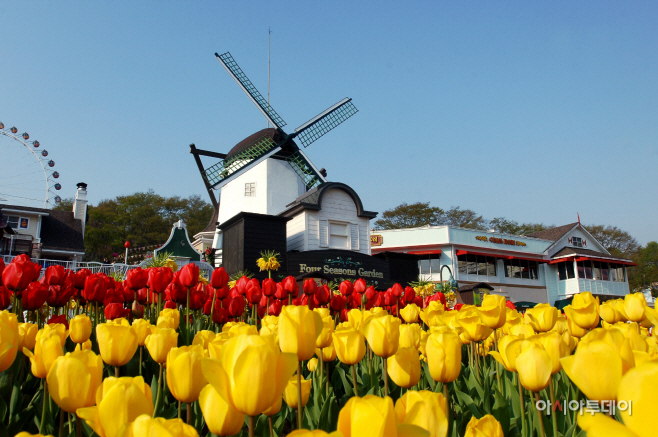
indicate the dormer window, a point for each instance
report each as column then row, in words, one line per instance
column 250, row 189
column 577, row 242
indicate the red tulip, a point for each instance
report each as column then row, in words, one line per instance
column 438, row 296
column 260, row 311
column 114, row 295
column 222, row 293
column 337, row 303
column 310, row 287
column 115, row 311
column 219, row 315
column 409, row 294
column 95, row 287
column 389, row 298
column 136, row 278
column 458, row 306
column 370, row 292
column 55, row 275
column 58, row 319
column 241, row 285
column 59, row 295
column 188, row 276
column 510, row 305
column 360, row 285
column 176, row 292
column 275, row 307
column 323, row 295
column 219, row 278
column 5, row 296
column 34, row 296
column 397, row 290
column 346, row 288
column 418, row 301
column 253, row 291
column 236, row 306
column 170, row 304
column 290, row 285
column 343, row 315
column 144, row 296
column 281, row 292
column 128, row 294
column 269, row 287
column 378, row 300
column 197, row 296
column 297, row 302
column 80, row 277
column 160, row 278
column 19, row 273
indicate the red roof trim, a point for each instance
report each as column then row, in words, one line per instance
column 424, row 252
column 495, row 255
column 613, row 260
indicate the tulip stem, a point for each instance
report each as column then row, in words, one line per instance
column 300, row 407
column 78, row 426
column 187, row 316
column 321, row 363
column 356, row 390
column 179, row 409
column 42, row 425
column 522, row 402
column 116, row 371
column 157, row 397
column 269, row 421
column 188, row 407
column 540, row 415
column 252, row 426
column 448, row 410
column 61, row 423
column 553, row 417
column 385, row 372
column 141, row 350
column 500, row 383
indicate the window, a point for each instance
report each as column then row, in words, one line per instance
column 338, row 235
column 476, row 265
column 565, row 270
column 617, row 273
column 250, row 189
column 12, row 221
column 429, row 266
column 585, row 270
column 576, row 242
column 521, row 269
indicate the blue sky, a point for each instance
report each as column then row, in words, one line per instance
column 534, row 111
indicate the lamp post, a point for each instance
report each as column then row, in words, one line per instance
column 127, row 246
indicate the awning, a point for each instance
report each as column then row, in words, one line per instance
column 424, row 252
column 570, row 258
column 496, row 255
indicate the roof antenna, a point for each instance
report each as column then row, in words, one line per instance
column 269, row 50
column 578, row 218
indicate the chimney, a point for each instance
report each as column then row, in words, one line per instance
column 80, row 205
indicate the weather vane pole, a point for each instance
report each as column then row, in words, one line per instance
column 269, row 50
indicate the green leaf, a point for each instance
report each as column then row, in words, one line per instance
column 3, row 410
column 469, row 403
column 501, row 409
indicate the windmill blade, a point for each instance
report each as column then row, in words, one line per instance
column 326, row 121
column 219, row 174
column 250, row 90
column 305, row 169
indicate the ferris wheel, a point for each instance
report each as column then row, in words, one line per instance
column 27, row 175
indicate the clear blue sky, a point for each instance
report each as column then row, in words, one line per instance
column 529, row 110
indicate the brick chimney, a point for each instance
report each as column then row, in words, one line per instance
column 80, row 205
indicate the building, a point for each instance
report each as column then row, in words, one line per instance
column 45, row 233
column 547, row 266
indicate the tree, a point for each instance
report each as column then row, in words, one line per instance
column 64, row 205
column 504, row 226
column 618, row 242
column 464, row 218
column 410, row 216
column 645, row 274
column 144, row 219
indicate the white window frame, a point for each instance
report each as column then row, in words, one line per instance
column 576, row 242
column 18, row 221
column 346, row 225
column 250, row 189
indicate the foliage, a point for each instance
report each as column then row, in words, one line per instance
column 615, row 240
column 645, row 275
column 161, row 259
column 410, row 216
column 505, row 226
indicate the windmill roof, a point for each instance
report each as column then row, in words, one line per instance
column 312, row 199
column 245, row 144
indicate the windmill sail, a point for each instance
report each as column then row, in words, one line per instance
column 250, row 90
column 305, row 169
column 326, row 121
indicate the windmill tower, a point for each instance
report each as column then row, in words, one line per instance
column 266, row 171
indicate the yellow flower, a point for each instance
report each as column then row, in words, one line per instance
column 358, row 319
column 239, row 328
column 513, row 318
column 257, row 373
column 158, row 427
column 509, row 347
column 350, row 345
column 171, row 312
column 221, row 416
column 299, row 328
column 410, row 335
column 27, row 434
column 166, row 322
column 615, row 338
column 585, row 310
column 487, row 426
column 203, row 338
column 290, row 392
column 555, row 347
column 327, row 353
column 493, row 311
column 410, row 313
column 596, row 368
column 28, row 335
column 47, row 349
column 404, row 367
column 373, row 416
column 609, row 312
column 432, row 313
column 74, row 378
column 314, row 433
column 474, row 328
column 184, row 376
column 534, row 366
column 117, row 343
column 574, row 329
column 560, row 324
column 634, row 305
column 325, row 338
column 542, row 317
column 160, row 342
column 444, row 356
column 119, row 401
column 312, row 364
column 215, row 346
column 424, row 409
column 80, row 328
column 522, row 330
column 383, row 335
column 142, row 328
column 10, row 339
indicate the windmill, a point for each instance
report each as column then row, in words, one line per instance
column 269, row 143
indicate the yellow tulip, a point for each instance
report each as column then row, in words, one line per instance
column 444, row 356
column 383, row 335
column 158, row 427
column 203, row 338
column 522, row 330
column 121, row 321
column 160, row 342
column 184, row 376
column 512, row 318
column 542, row 317
column 410, row 313
column 28, row 335
column 410, row 335
column 119, row 401
column 638, row 389
column 314, row 433
column 404, row 367
column 312, row 364
column 474, row 328
column 629, row 330
column 358, row 318
column 493, row 311
column 215, row 346
column 373, row 416
column 221, row 416
column 257, row 373
column 299, row 328
column 487, row 426
column 240, row 328
column 534, row 366
column 173, row 313
column 166, row 322
column 328, row 326
column 615, row 338
column 142, row 328
column 290, row 392
column 432, row 313
column 555, row 347
column 275, row 407
column 27, row 434
column 574, row 329
column 80, row 328
column 609, row 312
column 585, row 310
column 326, row 353
column 117, row 343
column 596, row 368
column 509, row 347
column 47, row 348
column 273, row 320
column 634, row 305
column 560, row 324
column 350, row 345
column 425, row 409
column 74, row 378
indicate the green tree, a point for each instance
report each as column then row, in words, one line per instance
column 64, row 205
column 410, row 216
column 617, row 241
column 645, row 274
column 464, row 218
column 505, row 226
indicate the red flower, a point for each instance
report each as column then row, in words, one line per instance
column 510, row 305
column 55, row 275
column 370, row 292
column 144, row 296
column 236, row 306
column 409, row 294
column 128, row 294
column 253, row 292
column 80, row 278
column 96, row 286
column 19, row 273
column 219, row 315
column 275, row 307
column 281, row 292
column 397, row 290
column 459, row 306
column 323, row 295
column 346, row 288
column 115, row 311
column 59, row 295
column 290, row 285
column 219, row 278
column 343, row 315
column 189, row 275
column 389, row 298
column 418, row 301
column 197, row 296
column 241, row 285
column 5, row 296
column 160, row 278
column 269, row 287
column 136, row 278
column 59, row 319
column 310, row 287
column 360, row 285
column 337, row 303
column 114, row 295
column 170, row 304
column 176, row 292
column 34, row 296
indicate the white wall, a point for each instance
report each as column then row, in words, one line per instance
column 296, row 230
column 592, row 244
